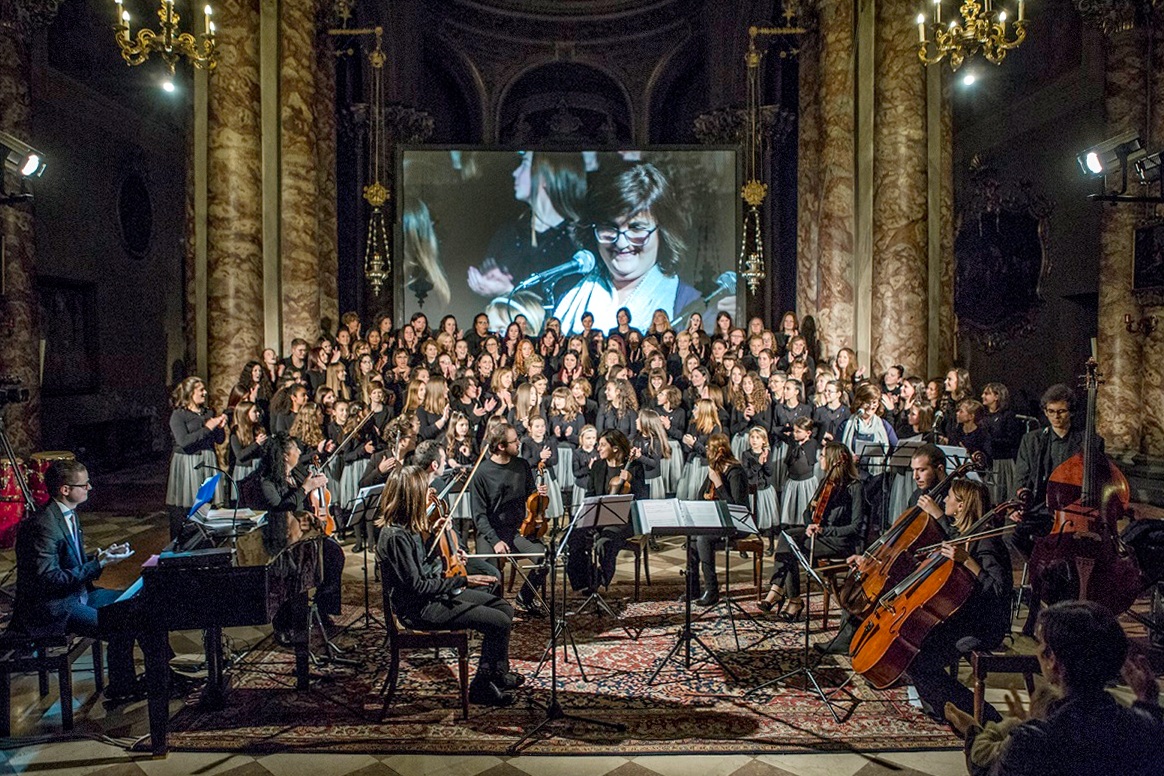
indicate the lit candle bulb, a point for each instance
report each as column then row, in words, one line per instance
column 125, row 22
column 1021, row 15
column 1002, row 21
column 119, row 11
column 938, row 11
column 209, row 25
column 921, row 28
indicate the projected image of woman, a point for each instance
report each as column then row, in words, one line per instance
column 638, row 228
column 553, row 185
column 421, row 253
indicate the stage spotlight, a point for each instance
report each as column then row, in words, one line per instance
column 21, row 157
column 1148, row 168
column 1112, row 154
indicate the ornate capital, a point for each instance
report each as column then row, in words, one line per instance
column 1114, row 16
column 729, row 126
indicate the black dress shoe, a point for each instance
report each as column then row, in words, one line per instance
column 133, row 691
column 358, row 546
column 709, row 598
column 831, row 647
column 486, row 693
column 509, row 680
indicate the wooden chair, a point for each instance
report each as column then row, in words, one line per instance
column 830, row 578
column 400, row 638
column 44, row 655
column 640, row 547
column 753, row 544
column 984, row 663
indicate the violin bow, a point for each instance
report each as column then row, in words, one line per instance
column 347, row 438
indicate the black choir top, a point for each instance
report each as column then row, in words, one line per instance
column 190, row 432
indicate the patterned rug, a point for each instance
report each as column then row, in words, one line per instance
column 697, row 710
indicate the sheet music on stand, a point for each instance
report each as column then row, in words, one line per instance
column 955, row 457
column 902, row 456
column 672, row 517
column 742, row 519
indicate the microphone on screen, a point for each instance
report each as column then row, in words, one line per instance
column 725, row 285
column 580, row 264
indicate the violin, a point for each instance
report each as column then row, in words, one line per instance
column 890, row 559
column 535, row 525
column 891, row 637
column 618, row 485
column 824, row 493
column 1087, row 495
column 320, row 501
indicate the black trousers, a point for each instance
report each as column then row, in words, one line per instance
column 705, row 548
column 537, row 576
column 606, row 542
column 930, row 672
column 477, row 610
column 82, row 621
column 787, row 572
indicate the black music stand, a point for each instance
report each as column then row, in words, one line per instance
column 805, row 667
column 744, row 524
column 680, row 523
column 366, row 503
column 553, row 707
column 598, row 512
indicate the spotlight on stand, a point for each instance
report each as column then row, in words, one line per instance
column 1116, row 155
column 21, row 157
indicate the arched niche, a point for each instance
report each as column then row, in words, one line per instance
column 566, row 104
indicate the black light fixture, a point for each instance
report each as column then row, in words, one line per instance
column 1111, row 155
column 21, row 157
column 1116, row 155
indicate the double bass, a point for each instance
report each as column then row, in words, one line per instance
column 1087, row 495
column 891, row 636
column 890, row 559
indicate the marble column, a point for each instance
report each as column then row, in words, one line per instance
column 299, row 183
column 325, row 133
column 1152, row 441
column 1119, row 410
column 234, row 229
column 825, row 252
column 947, row 353
column 19, row 324
column 900, row 311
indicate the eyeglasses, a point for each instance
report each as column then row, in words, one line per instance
column 608, row 235
column 1057, row 412
column 85, row 485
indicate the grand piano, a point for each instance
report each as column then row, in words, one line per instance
column 211, row 587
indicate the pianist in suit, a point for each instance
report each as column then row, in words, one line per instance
column 284, row 486
column 425, row 599
column 55, row 575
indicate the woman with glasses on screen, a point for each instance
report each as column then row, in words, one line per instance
column 638, row 227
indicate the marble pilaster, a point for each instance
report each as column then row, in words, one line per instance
column 234, row 200
column 325, row 133
column 947, row 324
column 827, row 207
column 1119, row 401
column 298, row 173
column 1152, row 441
column 19, row 324
column 900, row 311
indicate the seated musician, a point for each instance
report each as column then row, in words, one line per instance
column 55, row 575
column 285, row 487
column 609, row 473
column 726, row 481
column 928, row 467
column 981, row 623
column 399, row 438
column 424, row 598
column 840, row 532
column 431, row 457
column 499, row 491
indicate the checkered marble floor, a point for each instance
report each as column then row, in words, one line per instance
column 97, row 745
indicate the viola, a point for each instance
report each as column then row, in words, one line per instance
column 890, row 559
column 1087, row 495
column 891, row 636
column 446, row 542
column 536, row 524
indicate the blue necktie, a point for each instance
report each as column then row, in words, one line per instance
column 75, row 533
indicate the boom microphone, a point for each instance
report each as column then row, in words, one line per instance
column 580, row 264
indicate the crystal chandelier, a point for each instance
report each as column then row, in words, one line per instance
column 170, row 44
column 977, row 27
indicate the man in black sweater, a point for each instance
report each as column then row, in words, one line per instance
column 500, row 488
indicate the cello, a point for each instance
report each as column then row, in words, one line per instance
column 890, row 559
column 891, row 636
column 1087, row 494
